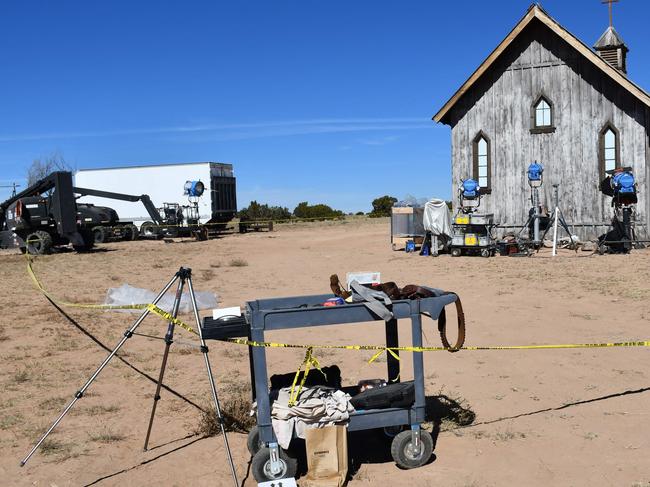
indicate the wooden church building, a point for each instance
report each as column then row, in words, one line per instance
column 542, row 95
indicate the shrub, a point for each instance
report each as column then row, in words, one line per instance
column 305, row 210
column 382, row 206
column 257, row 211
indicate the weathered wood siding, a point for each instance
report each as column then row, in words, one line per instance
column 584, row 100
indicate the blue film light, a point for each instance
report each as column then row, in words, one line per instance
column 535, row 171
column 470, row 188
column 623, row 182
column 194, row 188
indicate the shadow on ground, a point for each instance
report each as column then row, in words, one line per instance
column 373, row 446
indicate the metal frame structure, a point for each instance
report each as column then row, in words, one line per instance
column 274, row 314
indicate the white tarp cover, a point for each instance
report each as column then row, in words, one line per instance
column 437, row 217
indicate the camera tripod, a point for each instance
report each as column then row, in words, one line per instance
column 184, row 276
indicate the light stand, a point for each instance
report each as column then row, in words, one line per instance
column 558, row 217
column 620, row 184
column 535, row 175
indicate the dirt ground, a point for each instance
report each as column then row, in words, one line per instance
column 535, row 418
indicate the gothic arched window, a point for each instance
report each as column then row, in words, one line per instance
column 542, row 116
column 482, row 171
column 610, row 149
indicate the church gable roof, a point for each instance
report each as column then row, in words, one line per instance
column 536, row 12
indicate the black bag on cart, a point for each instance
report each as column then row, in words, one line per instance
column 399, row 395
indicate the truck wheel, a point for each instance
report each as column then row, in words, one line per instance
column 455, row 252
column 131, row 232
column 201, row 234
column 149, row 230
column 100, row 235
column 39, row 243
column 485, row 253
column 261, row 466
column 88, row 238
column 406, row 455
column 171, row 231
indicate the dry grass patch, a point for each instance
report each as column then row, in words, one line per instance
column 450, row 413
column 52, row 403
column 107, row 437
column 61, row 450
column 233, row 352
column 22, row 376
column 238, row 263
column 8, row 421
column 207, row 274
column 98, row 409
column 236, row 410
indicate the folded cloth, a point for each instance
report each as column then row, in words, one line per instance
column 315, row 407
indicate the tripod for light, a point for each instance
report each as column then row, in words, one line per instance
column 184, row 276
column 535, row 173
column 558, row 217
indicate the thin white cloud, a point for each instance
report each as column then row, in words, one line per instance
column 233, row 131
column 379, row 140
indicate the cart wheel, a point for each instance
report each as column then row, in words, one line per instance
column 392, row 431
column 406, row 455
column 455, row 252
column 253, row 441
column 485, row 253
column 261, row 466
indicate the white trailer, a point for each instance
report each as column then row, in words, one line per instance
column 164, row 184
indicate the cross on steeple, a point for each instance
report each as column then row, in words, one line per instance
column 610, row 2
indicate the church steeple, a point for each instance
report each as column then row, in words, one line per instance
column 612, row 49
column 610, row 46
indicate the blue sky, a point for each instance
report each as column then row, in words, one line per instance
column 321, row 101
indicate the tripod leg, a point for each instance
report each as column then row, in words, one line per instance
column 557, row 215
column 541, row 240
column 213, row 388
column 525, row 227
column 169, row 339
column 566, row 229
column 79, row 394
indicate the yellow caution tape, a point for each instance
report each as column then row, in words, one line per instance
column 309, row 359
column 149, row 306
column 246, row 222
column 381, row 349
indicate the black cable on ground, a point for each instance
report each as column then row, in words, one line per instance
column 127, row 363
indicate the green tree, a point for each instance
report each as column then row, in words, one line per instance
column 382, row 206
column 256, row 211
column 307, row 211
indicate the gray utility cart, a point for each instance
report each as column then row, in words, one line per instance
column 410, row 448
